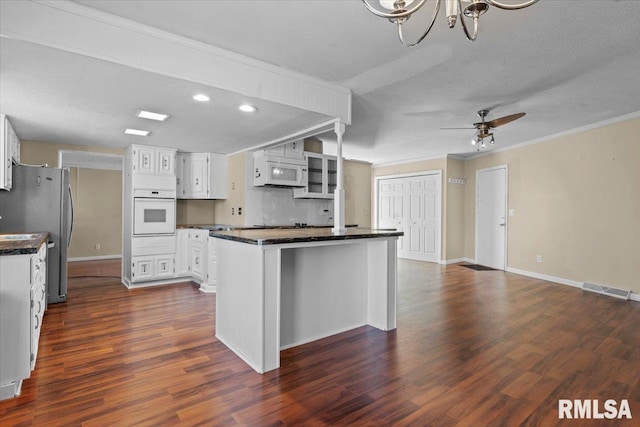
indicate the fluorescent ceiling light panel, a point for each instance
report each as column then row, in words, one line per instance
column 152, row 116
column 201, row 97
column 137, row 132
column 247, row 108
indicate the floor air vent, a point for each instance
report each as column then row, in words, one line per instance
column 612, row 292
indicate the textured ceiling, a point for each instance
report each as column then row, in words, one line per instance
column 566, row 63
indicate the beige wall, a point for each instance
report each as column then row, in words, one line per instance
column 97, row 196
column 577, row 203
column 453, row 199
column 194, row 212
column 357, row 193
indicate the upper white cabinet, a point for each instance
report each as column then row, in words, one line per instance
column 154, row 160
column 201, row 176
column 9, row 149
column 152, row 168
column 321, row 177
column 291, row 150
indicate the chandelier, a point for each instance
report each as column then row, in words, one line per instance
column 399, row 11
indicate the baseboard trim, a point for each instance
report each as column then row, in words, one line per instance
column 457, row 260
column 94, row 258
column 560, row 280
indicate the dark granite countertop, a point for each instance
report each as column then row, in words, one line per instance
column 10, row 244
column 226, row 227
column 272, row 236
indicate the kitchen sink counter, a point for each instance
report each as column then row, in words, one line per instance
column 21, row 243
column 271, row 236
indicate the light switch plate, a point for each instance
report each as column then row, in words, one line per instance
column 512, row 212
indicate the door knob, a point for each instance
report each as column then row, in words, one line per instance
column 503, row 224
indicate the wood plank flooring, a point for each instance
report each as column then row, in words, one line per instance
column 472, row 348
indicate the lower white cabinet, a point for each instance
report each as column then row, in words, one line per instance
column 212, row 265
column 183, row 253
column 198, row 253
column 155, row 267
column 196, row 257
column 22, row 306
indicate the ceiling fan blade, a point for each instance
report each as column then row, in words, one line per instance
column 455, row 128
column 504, row 120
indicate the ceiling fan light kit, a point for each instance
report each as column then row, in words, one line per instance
column 399, row 11
column 484, row 128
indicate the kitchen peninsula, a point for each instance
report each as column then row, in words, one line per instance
column 279, row 288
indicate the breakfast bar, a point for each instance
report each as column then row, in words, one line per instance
column 279, row 288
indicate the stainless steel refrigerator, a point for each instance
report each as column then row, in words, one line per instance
column 40, row 200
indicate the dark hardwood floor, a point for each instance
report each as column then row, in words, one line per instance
column 476, row 348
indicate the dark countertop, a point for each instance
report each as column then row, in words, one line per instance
column 227, row 227
column 272, row 236
column 21, row 247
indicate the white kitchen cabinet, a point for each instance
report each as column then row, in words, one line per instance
column 156, row 267
column 150, row 168
column 203, row 176
column 142, row 268
column 198, row 251
column 294, row 150
column 183, row 253
column 22, row 306
column 212, row 266
column 180, row 167
column 9, row 149
column 153, row 160
column 291, row 150
column 321, row 177
column 164, row 266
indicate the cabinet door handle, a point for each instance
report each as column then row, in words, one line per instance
column 197, row 260
column 197, row 181
column 37, row 323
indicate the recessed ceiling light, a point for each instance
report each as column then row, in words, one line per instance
column 137, row 132
column 152, row 116
column 247, row 108
column 201, row 97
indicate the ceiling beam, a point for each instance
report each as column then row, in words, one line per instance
column 82, row 30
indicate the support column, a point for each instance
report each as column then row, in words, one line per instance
column 338, row 195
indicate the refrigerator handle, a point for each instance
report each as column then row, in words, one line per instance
column 71, row 216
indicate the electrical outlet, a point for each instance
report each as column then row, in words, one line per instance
column 97, row 246
column 240, row 210
column 538, row 258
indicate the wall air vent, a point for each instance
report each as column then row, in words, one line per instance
column 604, row 290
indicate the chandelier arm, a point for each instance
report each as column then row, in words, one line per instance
column 436, row 9
column 404, row 14
column 464, row 25
column 501, row 5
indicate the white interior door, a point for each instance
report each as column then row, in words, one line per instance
column 423, row 224
column 491, row 224
column 391, row 208
column 413, row 205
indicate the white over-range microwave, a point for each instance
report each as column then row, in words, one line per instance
column 154, row 212
column 279, row 173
